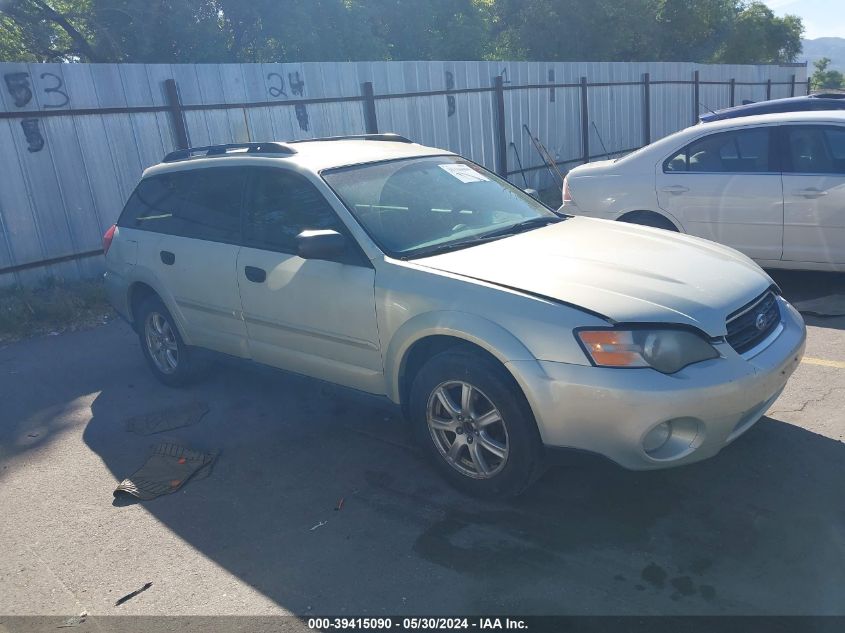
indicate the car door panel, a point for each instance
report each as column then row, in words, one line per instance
column 310, row 316
column 203, row 282
column 814, row 194
column 722, row 187
column 313, row 317
column 191, row 223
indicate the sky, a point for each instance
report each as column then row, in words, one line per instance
column 822, row 18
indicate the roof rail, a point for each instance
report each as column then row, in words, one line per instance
column 220, row 150
column 387, row 136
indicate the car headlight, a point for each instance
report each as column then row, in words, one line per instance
column 667, row 351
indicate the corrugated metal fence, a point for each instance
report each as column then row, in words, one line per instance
column 74, row 138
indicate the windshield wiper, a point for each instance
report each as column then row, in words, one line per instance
column 513, row 229
column 450, row 246
column 521, row 227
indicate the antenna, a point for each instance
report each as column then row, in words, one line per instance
column 606, row 153
column 710, row 110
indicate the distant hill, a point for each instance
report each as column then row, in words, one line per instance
column 832, row 47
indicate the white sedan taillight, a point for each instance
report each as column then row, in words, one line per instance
column 567, row 195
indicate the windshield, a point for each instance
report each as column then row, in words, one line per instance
column 417, row 206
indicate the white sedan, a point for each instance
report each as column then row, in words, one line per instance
column 771, row 186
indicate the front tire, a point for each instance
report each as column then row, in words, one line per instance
column 476, row 424
column 170, row 360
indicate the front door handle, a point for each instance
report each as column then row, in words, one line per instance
column 255, row 275
column 811, row 192
column 167, row 257
column 675, row 189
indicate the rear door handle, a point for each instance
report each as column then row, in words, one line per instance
column 255, row 275
column 811, row 193
column 167, row 257
column 675, row 189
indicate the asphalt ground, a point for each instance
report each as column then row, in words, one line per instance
column 759, row 529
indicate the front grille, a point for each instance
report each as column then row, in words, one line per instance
column 753, row 322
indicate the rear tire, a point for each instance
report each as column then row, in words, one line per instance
column 476, row 425
column 649, row 218
column 171, row 361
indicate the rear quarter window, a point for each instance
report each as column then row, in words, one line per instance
column 201, row 203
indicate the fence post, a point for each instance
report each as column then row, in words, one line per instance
column 768, row 89
column 809, row 84
column 733, row 92
column 370, row 120
column 177, row 117
column 792, row 86
column 585, row 121
column 696, row 98
column 646, row 108
column 501, row 138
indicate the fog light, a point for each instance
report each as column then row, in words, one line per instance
column 673, row 439
column 657, row 437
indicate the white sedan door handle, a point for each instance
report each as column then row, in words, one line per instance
column 675, row 189
column 811, row 193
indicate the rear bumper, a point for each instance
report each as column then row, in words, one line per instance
column 708, row 405
column 117, row 293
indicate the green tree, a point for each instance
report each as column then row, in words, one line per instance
column 37, row 30
column 181, row 31
column 823, row 78
column 757, row 35
column 734, row 31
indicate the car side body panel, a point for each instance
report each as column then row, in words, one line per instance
column 758, row 213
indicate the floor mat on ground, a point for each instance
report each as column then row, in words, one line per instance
column 168, row 468
column 167, row 419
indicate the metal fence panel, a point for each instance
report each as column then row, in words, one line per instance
column 75, row 138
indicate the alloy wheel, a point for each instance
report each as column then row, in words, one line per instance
column 468, row 430
column 161, row 342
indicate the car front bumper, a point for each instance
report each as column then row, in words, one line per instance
column 707, row 405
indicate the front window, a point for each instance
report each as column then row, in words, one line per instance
column 420, row 206
column 743, row 151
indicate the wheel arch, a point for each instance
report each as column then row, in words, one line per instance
column 428, row 334
column 632, row 216
column 140, row 290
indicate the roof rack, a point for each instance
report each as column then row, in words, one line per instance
column 387, row 136
column 221, row 150
column 828, row 95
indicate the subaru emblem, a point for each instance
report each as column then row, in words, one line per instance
column 761, row 321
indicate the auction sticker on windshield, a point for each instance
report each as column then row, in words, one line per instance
column 464, row 173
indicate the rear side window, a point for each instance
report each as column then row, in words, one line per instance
column 742, row 151
column 280, row 206
column 815, row 149
column 203, row 204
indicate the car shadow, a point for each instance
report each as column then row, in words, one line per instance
column 819, row 296
column 321, row 501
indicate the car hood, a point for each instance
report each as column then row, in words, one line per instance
column 624, row 272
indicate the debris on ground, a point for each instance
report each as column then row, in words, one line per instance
column 339, row 505
column 132, row 594
column 167, row 419
column 169, row 467
column 75, row 620
column 319, row 525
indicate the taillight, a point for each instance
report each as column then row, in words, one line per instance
column 108, row 237
column 567, row 195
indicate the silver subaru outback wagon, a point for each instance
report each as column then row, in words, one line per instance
column 502, row 328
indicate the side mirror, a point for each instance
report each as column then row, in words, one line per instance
column 323, row 244
column 533, row 193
